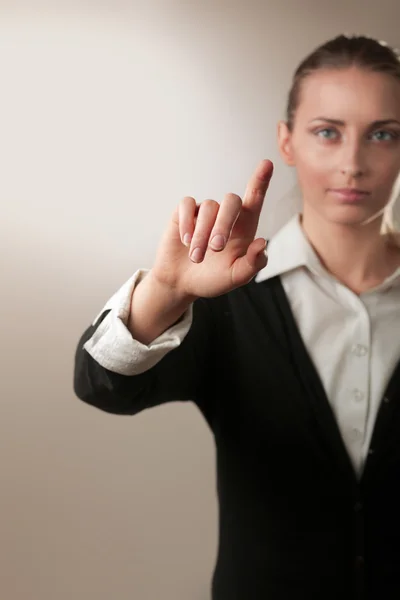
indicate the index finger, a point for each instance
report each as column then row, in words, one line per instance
column 257, row 186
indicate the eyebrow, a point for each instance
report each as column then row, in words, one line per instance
column 342, row 123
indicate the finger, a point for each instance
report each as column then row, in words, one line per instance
column 186, row 215
column 228, row 213
column 205, row 222
column 246, row 267
column 256, row 254
column 257, row 186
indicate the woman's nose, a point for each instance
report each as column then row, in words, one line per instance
column 352, row 171
column 353, row 159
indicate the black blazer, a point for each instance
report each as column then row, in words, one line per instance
column 295, row 522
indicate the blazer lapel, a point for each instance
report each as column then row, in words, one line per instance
column 314, row 391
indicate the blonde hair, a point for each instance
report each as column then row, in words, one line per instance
column 391, row 213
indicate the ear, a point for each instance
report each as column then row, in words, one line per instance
column 285, row 143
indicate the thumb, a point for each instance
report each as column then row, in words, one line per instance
column 246, row 267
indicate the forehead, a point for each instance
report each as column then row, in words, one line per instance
column 349, row 94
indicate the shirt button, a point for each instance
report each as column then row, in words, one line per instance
column 359, row 350
column 355, row 434
column 358, row 395
column 359, row 561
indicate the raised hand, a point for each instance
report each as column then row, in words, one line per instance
column 209, row 249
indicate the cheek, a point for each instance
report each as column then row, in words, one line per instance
column 388, row 169
column 314, row 164
column 313, row 171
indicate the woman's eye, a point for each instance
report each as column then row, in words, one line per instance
column 385, row 136
column 326, row 133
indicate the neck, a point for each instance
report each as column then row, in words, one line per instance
column 358, row 256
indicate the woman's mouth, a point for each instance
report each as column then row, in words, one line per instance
column 349, row 194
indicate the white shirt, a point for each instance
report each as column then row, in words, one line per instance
column 353, row 341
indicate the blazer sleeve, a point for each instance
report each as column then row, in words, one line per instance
column 183, row 373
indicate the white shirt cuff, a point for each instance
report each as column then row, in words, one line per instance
column 112, row 344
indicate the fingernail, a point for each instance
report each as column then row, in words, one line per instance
column 196, row 255
column 218, row 242
column 187, row 238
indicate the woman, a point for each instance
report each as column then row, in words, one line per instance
column 295, row 364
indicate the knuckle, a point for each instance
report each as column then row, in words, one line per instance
column 233, row 197
column 187, row 200
column 186, row 208
column 187, row 205
column 232, row 205
column 209, row 205
column 257, row 191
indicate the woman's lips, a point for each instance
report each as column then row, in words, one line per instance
column 349, row 194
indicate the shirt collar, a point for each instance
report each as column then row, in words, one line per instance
column 289, row 249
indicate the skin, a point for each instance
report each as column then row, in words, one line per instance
column 354, row 151
column 337, row 142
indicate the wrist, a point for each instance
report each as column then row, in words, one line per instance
column 155, row 307
column 173, row 295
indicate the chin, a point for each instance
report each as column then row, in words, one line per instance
column 351, row 216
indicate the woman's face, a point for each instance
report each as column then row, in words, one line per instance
column 345, row 137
